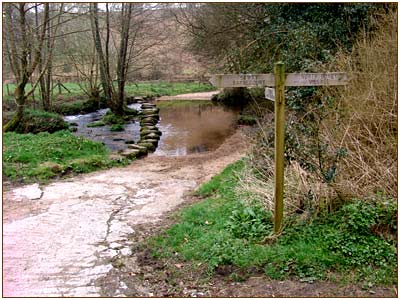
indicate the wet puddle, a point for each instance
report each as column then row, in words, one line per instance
column 186, row 128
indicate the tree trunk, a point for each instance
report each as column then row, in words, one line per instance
column 121, row 64
column 105, row 80
column 20, row 99
column 47, row 99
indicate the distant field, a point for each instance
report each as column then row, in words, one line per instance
column 140, row 89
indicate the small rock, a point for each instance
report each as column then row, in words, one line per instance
column 130, row 153
column 152, row 141
column 126, row 251
column 115, row 245
column 115, row 157
column 30, row 192
column 151, row 135
column 148, row 128
column 122, row 285
column 148, row 145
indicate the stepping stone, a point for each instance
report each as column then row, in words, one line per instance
column 148, row 145
column 152, row 141
column 151, row 135
column 130, row 153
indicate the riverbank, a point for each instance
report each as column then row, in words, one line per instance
column 190, row 96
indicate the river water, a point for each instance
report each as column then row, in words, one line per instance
column 188, row 128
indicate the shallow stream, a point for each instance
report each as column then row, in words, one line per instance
column 186, row 128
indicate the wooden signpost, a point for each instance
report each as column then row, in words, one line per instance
column 279, row 80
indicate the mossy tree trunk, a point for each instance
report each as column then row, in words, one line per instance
column 20, row 99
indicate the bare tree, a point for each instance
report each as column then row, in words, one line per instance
column 123, row 49
column 24, row 51
column 102, row 58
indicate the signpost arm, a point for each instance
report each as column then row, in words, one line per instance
column 279, row 144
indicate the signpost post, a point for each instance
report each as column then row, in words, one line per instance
column 278, row 80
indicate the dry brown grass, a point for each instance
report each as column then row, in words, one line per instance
column 364, row 123
column 368, row 128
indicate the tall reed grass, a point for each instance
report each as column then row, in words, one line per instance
column 369, row 108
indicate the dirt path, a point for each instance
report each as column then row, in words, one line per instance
column 62, row 239
column 191, row 96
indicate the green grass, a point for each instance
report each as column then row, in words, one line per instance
column 140, row 89
column 167, row 89
column 72, row 87
column 28, row 157
column 35, row 121
column 221, row 230
column 77, row 102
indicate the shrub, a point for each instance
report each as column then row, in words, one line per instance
column 117, row 127
column 247, row 120
column 250, row 222
column 35, row 121
column 340, row 142
column 111, row 119
column 96, row 124
column 236, row 97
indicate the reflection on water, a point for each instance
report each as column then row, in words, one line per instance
column 194, row 128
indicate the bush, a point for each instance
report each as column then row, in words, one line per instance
column 111, row 119
column 247, row 120
column 96, row 124
column 235, row 97
column 80, row 106
column 340, row 142
column 250, row 222
column 35, row 121
column 117, row 127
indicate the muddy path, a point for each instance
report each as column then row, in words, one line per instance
column 61, row 239
column 192, row 96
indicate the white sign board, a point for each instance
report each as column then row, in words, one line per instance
column 292, row 79
column 315, row 79
column 270, row 94
column 242, row 80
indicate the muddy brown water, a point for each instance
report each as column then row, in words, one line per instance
column 197, row 127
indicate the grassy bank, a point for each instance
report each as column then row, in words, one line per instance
column 141, row 89
column 75, row 101
column 223, row 233
column 28, row 157
column 167, row 88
